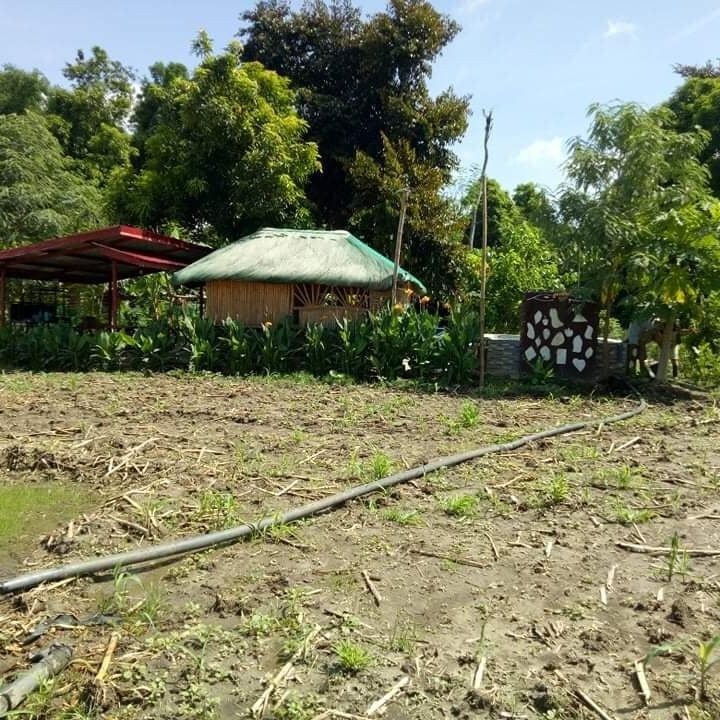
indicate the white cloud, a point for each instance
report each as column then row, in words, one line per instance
column 615, row 28
column 541, row 152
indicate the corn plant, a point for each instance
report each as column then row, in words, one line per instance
column 238, row 352
column 457, row 354
column 706, row 660
column 110, row 351
column 315, row 348
column 277, row 346
column 677, row 559
column 353, row 341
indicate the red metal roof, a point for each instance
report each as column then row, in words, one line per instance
column 88, row 257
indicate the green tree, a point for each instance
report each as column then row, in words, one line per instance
column 361, row 84
column 432, row 227
column 646, row 224
column 226, row 154
column 148, row 111
column 41, row 194
column 696, row 103
column 520, row 258
column 90, row 117
column 21, row 90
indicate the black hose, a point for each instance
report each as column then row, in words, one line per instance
column 222, row 537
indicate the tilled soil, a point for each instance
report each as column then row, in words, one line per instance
column 500, row 588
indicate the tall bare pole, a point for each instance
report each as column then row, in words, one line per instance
column 398, row 242
column 483, row 283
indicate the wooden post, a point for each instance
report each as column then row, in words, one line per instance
column 201, row 300
column 113, row 297
column 3, row 297
column 398, row 242
column 483, row 283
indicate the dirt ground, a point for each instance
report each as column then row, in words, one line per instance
column 493, row 589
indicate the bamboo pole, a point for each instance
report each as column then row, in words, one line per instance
column 483, row 283
column 113, row 296
column 398, row 242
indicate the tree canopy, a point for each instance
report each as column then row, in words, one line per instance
column 41, row 192
column 362, row 88
column 224, row 152
column 646, row 221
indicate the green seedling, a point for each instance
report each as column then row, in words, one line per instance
column 556, row 490
column 462, row 506
column 626, row 515
column 402, row 517
column 352, row 658
column 677, row 559
column 467, row 418
column 706, row 660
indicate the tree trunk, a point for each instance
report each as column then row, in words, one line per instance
column 666, row 348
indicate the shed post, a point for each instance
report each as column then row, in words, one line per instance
column 201, row 300
column 3, row 297
column 113, row 296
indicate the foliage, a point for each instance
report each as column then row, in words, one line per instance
column 644, row 217
column 42, row 194
column 696, row 103
column 701, row 365
column 223, row 154
column 21, row 90
column 362, row 89
column 520, row 258
column 351, row 657
column 384, row 345
column 89, row 118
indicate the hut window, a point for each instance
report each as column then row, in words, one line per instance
column 311, row 295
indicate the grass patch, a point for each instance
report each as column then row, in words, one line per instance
column 402, row 517
column 462, row 506
column 351, row 657
column 467, row 418
column 27, row 510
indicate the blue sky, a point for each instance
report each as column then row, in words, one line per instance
column 537, row 64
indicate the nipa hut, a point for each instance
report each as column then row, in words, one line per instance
column 314, row 276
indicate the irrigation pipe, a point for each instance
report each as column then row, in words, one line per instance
column 224, row 537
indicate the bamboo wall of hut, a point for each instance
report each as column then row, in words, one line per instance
column 254, row 303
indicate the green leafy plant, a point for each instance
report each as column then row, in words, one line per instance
column 707, row 659
column 351, row 657
column 467, row 418
column 555, row 490
column 461, row 506
column 677, row 559
column 403, row 517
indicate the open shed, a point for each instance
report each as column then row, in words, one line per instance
column 314, row 276
column 107, row 255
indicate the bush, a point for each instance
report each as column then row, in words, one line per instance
column 385, row 345
column 701, row 365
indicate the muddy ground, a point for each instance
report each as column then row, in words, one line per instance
column 494, row 589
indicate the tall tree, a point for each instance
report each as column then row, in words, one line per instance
column 646, row 222
column 696, row 103
column 41, row 194
column 150, row 106
column 361, row 84
column 520, row 258
column 225, row 155
column 90, row 117
column 21, row 90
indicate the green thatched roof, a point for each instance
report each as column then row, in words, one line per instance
column 325, row 257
